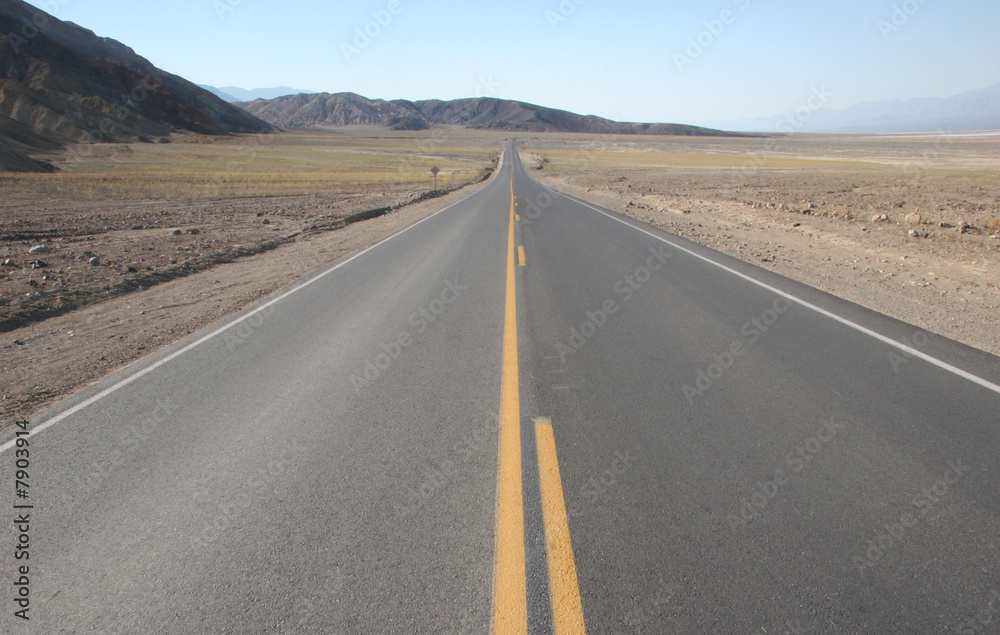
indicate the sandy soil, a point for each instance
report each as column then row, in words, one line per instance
column 909, row 228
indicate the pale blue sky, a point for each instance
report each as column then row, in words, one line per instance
column 615, row 59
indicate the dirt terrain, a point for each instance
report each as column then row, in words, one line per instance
column 909, row 227
column 176, row 251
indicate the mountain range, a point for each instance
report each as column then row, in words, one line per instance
column 973, row 110
column 235, row 93
column 349, row 109
column 62, row 84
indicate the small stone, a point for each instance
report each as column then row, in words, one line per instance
column 265, row 222
column 39, row 264
column 914, row 233
column 9, row 262
column 40, row 249
column 945, row 225
column 194, row 231
column 914, row 219
column 964, row 227
column 94, row 261
column 176, row 232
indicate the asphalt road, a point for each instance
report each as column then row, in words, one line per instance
column 526, row 416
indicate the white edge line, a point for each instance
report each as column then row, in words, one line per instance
column 833, row 316
column 131, row 378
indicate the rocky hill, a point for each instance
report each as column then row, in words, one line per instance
column 61, row 84
column 348, row 109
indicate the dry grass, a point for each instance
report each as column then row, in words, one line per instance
column 288, row 164
column 571, row 161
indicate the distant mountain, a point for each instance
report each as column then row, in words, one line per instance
column 235, row 93
column 63, row 84
column 974, row 110
column 218, row 92
column 348, row 109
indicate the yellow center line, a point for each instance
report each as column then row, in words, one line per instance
column 567, row 608
column 520, row 255
column 510, row 604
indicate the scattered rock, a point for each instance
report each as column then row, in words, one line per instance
column 880, row 218
column 914, row 233
column 38, row 264
column 913, row 219
column 945, row 225
column 194, row 231
column 40, row 249
column 94, row 261
column 176, row 232
column 265, row 222
column 9, row 262
column 964, row 227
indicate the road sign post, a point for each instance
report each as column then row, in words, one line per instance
column 434, row 171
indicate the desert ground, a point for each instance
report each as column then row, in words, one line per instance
column 182, row 234
column 187, row 232
column 907, row 226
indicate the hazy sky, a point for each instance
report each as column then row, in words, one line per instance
column 687, row 62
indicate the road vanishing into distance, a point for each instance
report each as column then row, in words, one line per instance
column 524, row 414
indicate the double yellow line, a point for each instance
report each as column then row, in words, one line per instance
column 510, row 606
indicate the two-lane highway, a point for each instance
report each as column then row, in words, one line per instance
column 525, row 413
